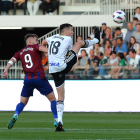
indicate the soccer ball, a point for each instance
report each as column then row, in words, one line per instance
column 119, row 16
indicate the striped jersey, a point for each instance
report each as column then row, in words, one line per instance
column 31, row 60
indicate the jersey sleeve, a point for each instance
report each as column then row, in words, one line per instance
column 37, row 47
column 16, row 57
column 48, row 40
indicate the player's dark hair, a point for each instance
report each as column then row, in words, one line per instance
column 135, row 19
column 120, row 38
column 118, row 28
column 63, row 26
column 30, row 35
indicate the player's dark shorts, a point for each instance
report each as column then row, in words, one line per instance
column 42, row 85
column 59, row 77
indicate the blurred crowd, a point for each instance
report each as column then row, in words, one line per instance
column 116, row 56
column 30, row 7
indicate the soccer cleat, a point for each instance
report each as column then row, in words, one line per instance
column 59, row 128
column 55, row 123
column 97, row 33
column 12, row 122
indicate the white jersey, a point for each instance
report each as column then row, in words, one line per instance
column 59, row 45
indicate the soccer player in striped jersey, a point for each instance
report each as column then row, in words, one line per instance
column 31, row 60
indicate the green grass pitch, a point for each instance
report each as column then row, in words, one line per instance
column 78, row 126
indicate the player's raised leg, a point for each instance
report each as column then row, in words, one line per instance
column 87, row 43
column 20, row 106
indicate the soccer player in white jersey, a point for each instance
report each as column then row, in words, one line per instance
column 62, row 56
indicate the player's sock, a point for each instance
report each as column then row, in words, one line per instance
column 60, row 108
column 89, row 43
column 19, row 108
column 54, row 110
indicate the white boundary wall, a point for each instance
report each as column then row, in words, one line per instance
column 96, row 96
column 55, row 21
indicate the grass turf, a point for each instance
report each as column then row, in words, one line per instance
column 78, row 126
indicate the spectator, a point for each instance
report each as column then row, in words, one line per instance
column 114, row 44
column 135, row 21
column 97, row 49
column 118, row 32
column 92, row 34
column 108, row 49
column 82, row 64
column 113, row 61
column 137, row 15
column 49, row 6
column 117, row 71
column 138, row 48
column 109, row 35
column 103, row 60
column 45, row 65
column 132, row 69
column 93, row 62
column 121, row 48
column 129, row 33
column 5, row 6
column 132, row 44
column 79, row 38
column 33, row 6
column 136, row 34
column 19, row 3
column 87, row 49
column 103, row 30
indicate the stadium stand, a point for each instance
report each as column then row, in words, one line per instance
column 101, row 11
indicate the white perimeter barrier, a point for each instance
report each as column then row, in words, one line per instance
column 96, row 96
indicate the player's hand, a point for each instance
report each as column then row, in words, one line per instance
column 5, row 74
column 44, row 43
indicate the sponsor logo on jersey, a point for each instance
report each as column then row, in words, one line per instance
column 53, row 64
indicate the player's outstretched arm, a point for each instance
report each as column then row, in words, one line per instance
column 44, row 43
column 9, row 64
column 43, row 49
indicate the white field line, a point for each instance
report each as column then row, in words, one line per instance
column 22, row 128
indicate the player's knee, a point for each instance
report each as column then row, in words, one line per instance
column 51, row 96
